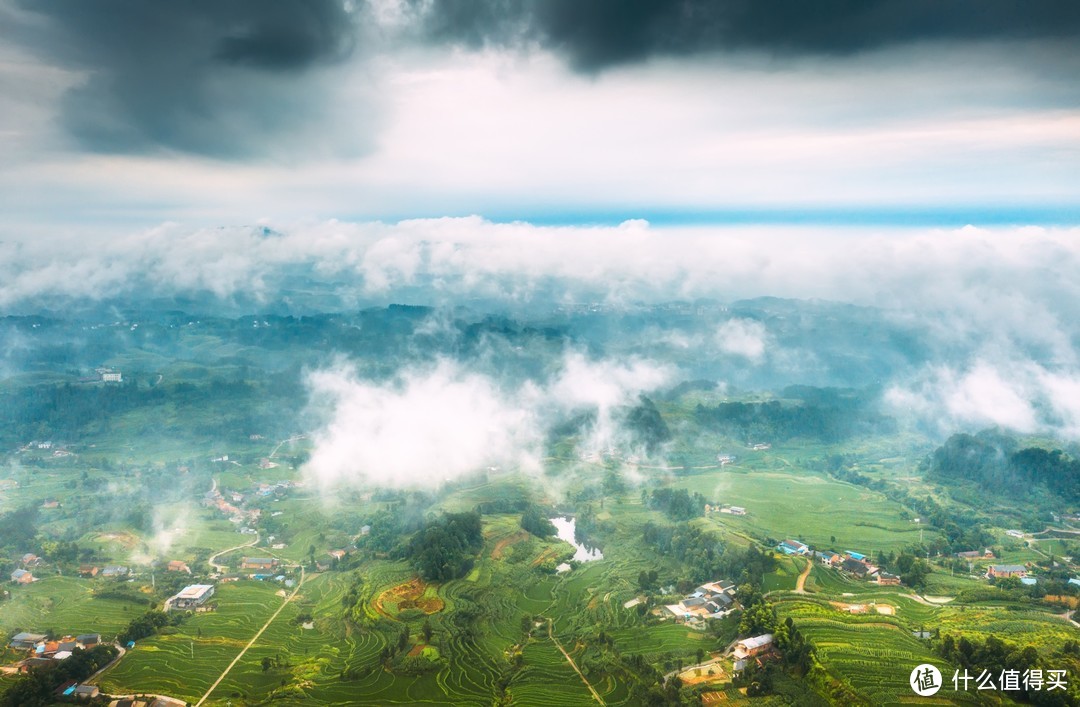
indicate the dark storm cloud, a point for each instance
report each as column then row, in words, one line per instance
column 203, row 76
column 595, row 34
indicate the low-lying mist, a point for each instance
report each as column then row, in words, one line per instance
column 441, row 421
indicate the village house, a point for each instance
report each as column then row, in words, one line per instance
column 337, row 554
column 258, row 563
column 886, row 579
column 26, row 641
column 854, row 567
column 85, row 692
column 1006, row 571
column 178, row 566
column 21, row 576
column 752, row 646
column 88, row 570
column 30, row 560
column 109, row 375
column 190, row 597
column 114, row 571
column 792, row 547
column 51, row 503
column 88, row 640
column 828, row 558
column 31, row 664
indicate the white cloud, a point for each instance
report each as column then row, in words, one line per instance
column 982, row 395
column 742, row 337
column 440, row 422
column 1018, row 395
column 420, row 430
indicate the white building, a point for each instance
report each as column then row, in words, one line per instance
column 752, row 646
column 109, row 375
column 191, row 597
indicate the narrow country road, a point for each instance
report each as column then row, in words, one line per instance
column 551, row 635
column 800, row 583
column 222, row 568
column 93, row 678
column 254, row 639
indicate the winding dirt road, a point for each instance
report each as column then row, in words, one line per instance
column 800, row 583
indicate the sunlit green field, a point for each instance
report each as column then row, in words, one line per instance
column 64, row 605
column 805, row 505
column 185, row 663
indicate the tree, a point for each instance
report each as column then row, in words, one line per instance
column 266, row 663
column 445, row 547
column 426, row 630
column 536, row 522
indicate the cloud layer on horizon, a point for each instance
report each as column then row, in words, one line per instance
column 1007, row 289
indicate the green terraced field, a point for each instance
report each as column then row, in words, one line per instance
column 185, row 663
column 871, row 655
column 802, row 504
column 64, row 605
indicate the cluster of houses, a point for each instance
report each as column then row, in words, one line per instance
column 265, row 569
column 851, row 563
column 42, row 651
column 24, row 575
column 230, row 507
column 712, row 600
column 106, row 571
column 214, row 499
